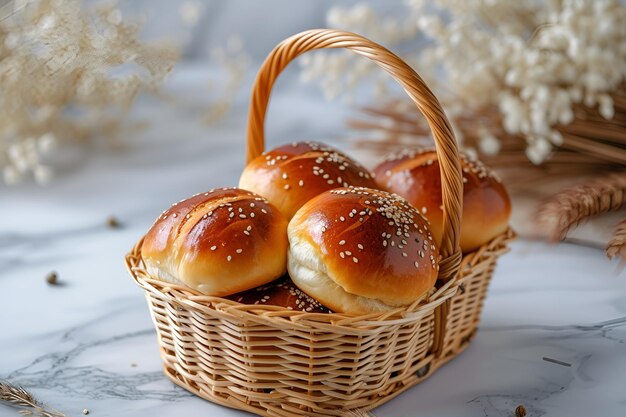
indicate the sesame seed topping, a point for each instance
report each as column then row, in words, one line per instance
column 301, row 183
column 239, row 250
column 213, row 247
column 355, row 260
column 342, row 242
column 228, row 258
column 286, row 187
column 359, row 246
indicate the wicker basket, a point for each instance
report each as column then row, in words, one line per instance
column 278, row 362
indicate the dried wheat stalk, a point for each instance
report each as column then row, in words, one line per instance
column 570, row 207
column 17, row 397
column 617, row 244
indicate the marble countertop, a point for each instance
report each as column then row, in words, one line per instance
column 89, row 343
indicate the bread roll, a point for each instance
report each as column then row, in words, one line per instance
column 359, row 250
column 414, row 174
column 282, row 293
column 220, row 242
column 291, row 175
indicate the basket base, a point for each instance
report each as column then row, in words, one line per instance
column 234, row 403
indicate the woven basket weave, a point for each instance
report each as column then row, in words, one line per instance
column 278, row 362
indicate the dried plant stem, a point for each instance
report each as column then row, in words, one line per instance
column 590, row 144
column 17, row 397
column 570, row 207
column 617, row 244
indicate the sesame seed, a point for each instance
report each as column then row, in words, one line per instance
column 417, row 265
column 348, row 253
column 251, row 214
column 239, row 250
column 243, row 216
column 404, row 254
column 284, row 176
column 342, row 254
column 301, row 183
column 287, row 187
column 228, row 258
column 343, row 219
column 342, row 242
column 264, row 211
column 355, row 260
column 360, row 246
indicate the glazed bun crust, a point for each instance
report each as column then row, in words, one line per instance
column 220, row 242
column 292, row 174
column 282, row 293
column 415, row 175
column 360, row 250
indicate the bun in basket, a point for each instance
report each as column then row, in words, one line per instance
column 220, row 242
column 414, row 174
column 359, row 251
column 292, row 174
column 282, row 293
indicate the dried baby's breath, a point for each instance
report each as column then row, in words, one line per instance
column 68, row 73
column 547, row 73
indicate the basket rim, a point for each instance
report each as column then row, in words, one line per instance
column 268, row 314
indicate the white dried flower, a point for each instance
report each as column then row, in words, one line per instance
column 69, row 53
column 531, row 60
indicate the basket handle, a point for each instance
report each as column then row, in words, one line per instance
column 427, row 103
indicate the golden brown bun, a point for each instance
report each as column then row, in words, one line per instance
column 414, row 174
column 282, row 293
column 220, row 242
column 359, row 250
column 291, row 175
